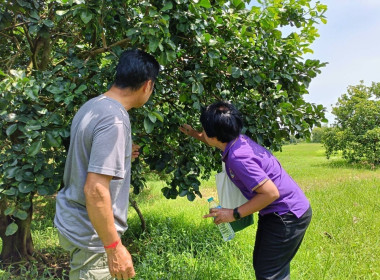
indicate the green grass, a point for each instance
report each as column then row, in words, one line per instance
column 342, row 241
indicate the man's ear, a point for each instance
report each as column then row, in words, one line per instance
column 148, row 85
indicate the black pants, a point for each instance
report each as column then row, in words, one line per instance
column 278, row 238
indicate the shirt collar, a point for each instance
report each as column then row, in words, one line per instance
column 228, row 147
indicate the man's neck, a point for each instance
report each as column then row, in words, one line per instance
column 123, row 96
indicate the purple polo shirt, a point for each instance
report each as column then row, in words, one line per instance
column 248, row 164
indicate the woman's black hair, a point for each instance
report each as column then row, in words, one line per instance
column 221, row 120
column 134, row 68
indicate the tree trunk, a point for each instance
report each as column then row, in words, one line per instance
column 18, row 246
column 134, row 205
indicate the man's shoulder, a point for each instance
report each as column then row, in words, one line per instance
column 106, row 108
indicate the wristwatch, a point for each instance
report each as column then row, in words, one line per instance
column 236, row 214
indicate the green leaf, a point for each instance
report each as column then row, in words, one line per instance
column 33, row 125
column 33, row 29
column 20, row 214
column 197, row 88
column 148, row 125
column 12, row 128
column 152, row 117
column 207, row 37
column 171, row 55
column 131, row 32
column 80, row 89
column 43, row 190
column 153, row 44
column 9, row 211
column 166, row 192
column 205, row 4
column 34, row 148
column 196, row 105
column 168, row 6
column 51, row 140
column 238, row 4
column 48, row 23
column 34, row 15
column 183, row 97
column 11, row 172
column 158, row 115
column 54, row 89
column 183, row 193
column 191, row 196
column 212, row 42
column 162, row 59
column 61, row 13
column 28, row 176
column 235, row 72
column 30, row 93
column 11, row 229
column 86, row 16
column 146, row 150
column 10, row 192
column 26, row 205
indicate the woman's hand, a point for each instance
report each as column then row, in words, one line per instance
column 221, row 215
column 187, row 129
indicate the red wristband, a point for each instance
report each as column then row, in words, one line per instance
column 113, row 245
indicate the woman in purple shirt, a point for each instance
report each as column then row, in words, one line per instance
column 284, row 211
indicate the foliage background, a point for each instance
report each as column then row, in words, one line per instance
column 55, row 55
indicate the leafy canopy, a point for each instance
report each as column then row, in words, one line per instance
column 55, row 55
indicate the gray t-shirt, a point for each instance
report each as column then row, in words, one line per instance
column 100, row 143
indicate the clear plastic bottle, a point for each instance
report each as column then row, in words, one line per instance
column 225, row 228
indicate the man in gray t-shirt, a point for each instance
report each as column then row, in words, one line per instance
column 91, row 208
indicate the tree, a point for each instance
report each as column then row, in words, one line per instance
column 356, row 132
column 57, row 54
column 317, row 134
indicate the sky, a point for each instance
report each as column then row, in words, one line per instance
column 350, row 43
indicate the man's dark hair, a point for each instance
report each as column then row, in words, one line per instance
column 222, row 120
column 134, row 68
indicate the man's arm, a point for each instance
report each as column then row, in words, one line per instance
column 99, row 208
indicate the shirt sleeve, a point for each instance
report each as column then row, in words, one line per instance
column 249, row 173
column 108, row 150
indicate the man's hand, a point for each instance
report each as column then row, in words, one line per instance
column 120, row 262
column 135, row 151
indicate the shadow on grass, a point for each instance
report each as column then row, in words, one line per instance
column 344, row 164
column 51, row 262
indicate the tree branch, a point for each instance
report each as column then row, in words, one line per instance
column 26, row 31
column 104, row 49
column 13, row 26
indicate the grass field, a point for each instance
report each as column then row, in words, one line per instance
column 342, row 241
